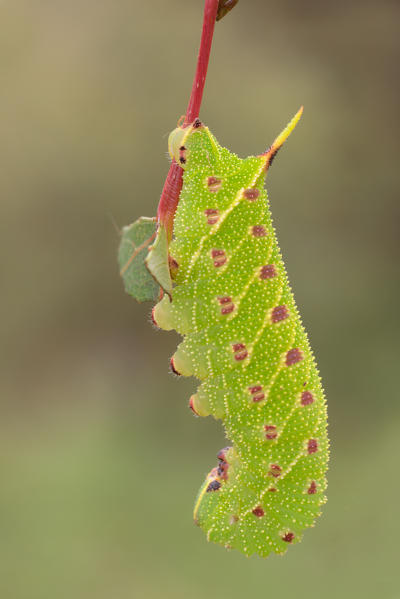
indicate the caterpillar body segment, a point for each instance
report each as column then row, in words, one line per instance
column 244, row 340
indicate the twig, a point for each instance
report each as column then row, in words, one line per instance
column 173, row 183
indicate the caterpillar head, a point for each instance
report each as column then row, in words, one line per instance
column 176, row 142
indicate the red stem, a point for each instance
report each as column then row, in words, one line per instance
column 173, row 183
column 210, row 15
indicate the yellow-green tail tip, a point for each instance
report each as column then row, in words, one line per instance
column 282, row 137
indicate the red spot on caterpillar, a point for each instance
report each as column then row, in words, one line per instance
column 272, row 490
column 240, row 351
column 270, row 431
column 258, row 511
column 312, row 446
column 268, row 271
column 238, row 346
column 293, row 356
column 172, row 366
column 212, row 216
column 222, row 470
column 214, row 184
column 251, row 194
column 259, row 231
column 288, row 537
column 223, row 467
column 257, row 393
column 197, row 123
column 279, row 313
column 213, row 486
column 227, row 305
column 153, row 317
column 182, row 154
column 307, row 398
column 275, row 470
column 173, row 266
column 191, row 405
column 219, row 257
column 312, row 489
column 221, row 455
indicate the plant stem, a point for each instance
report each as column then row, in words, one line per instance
column 173, row 183
column 210, row 15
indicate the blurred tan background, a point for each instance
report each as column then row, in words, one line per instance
column 100, row 458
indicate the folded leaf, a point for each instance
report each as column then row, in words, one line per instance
column 133, row 250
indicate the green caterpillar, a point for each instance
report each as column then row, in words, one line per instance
column 244, row 340
column 227, row 293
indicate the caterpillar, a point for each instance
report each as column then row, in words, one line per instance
column 228, row 295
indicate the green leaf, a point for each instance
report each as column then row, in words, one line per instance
column 157, row 260
column 133, row 250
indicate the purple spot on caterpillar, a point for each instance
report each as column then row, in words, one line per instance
column 212, row 216
column 268, row 272
column 270, row 431
column 275, row 470
column 257, row 393
column 307, row 398
column 279, row 313
column 312, row 446
column 288, row 537
column 182, row 154
column 227, row 305
column 213, row 486
column 214, row 184
column 258, row 511
column 293, row 356
column 272, row 490
column 172, row 366
column 258, row 231
column 219, row 257
column 240, row 351
column 251, row 194
column 312, row 489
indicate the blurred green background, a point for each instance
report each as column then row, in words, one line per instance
column 100, row 458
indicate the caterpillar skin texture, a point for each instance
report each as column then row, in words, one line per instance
column 244, row 340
